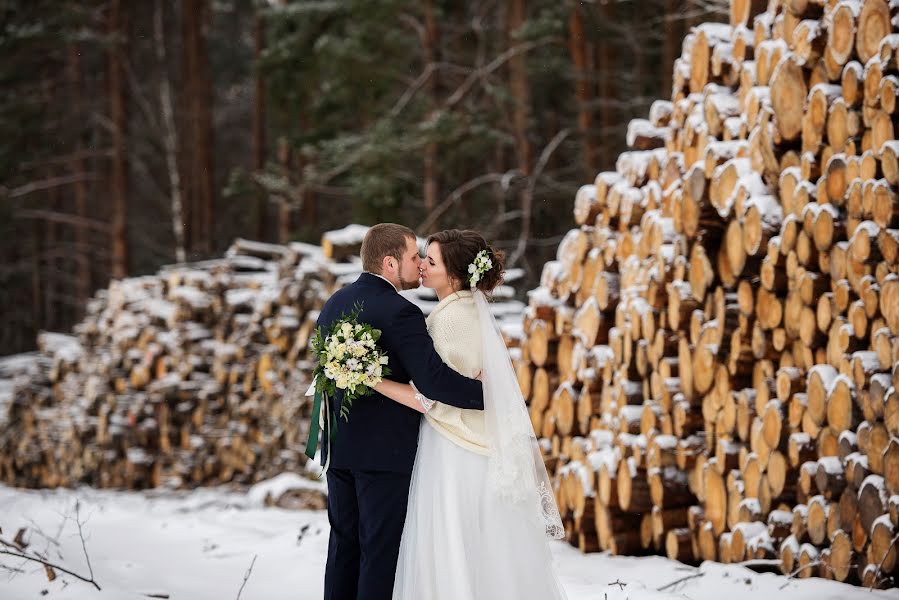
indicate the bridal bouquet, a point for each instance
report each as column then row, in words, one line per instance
column 349, row 361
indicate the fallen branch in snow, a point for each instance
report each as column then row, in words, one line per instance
column 36, row 528
column 880, row 565
column 15, row 570
column 246, row 576
column 619, row 583
column 46, row 563
column 17, row 549
column 791, row 576
column 681, row 580
column 79, row 523
column 761, row 565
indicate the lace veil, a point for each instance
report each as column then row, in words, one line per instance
column 515, row 465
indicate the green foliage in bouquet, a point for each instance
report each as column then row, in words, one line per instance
column 349, row 359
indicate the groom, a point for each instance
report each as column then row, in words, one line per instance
column 373, row 452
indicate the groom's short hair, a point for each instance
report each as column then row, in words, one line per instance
column 384, row 239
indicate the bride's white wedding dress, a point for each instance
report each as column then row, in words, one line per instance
column 480, row 512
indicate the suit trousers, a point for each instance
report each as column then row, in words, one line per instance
column 366, row 511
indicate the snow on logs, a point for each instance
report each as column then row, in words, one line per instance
column 725, row 320
column 193, row 376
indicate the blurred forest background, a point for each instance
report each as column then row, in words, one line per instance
column 142, row 133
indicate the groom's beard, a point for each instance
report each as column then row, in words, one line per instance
column 406, row 284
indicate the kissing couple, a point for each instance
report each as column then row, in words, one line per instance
column 436, row 485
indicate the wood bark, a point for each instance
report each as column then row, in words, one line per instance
column 118, row 26
column 259, row 128
column 521, row 117
column 198, row 100
column 579, row 49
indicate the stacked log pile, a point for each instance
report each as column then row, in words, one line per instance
column 713, row 360
column 193, row 376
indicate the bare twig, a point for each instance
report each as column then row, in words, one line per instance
column 681, row 580
column 65, row 159
column 141, row 99
column 880, row 566
column 47, row 563
column 46, row 184
column 13, row 570
column 760, row 564
column 59, row 217
column 493, row 65
column 79, row 523
column 37, row 528
column 17, row 549
column 412, row 89
column 466, row 187
column 413, row 23
column 529, row 194
column 246, row 576
column 170, row 135
column 621, row 585
column 793, row 575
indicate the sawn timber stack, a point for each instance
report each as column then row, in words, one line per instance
column 192, row 376
column 713, row 359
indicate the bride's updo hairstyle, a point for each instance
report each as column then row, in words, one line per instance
column 459, row 248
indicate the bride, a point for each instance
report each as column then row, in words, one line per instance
column 480, row 505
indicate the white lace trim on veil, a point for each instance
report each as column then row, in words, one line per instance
column 515, row 464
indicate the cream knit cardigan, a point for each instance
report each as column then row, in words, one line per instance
column 455, row 328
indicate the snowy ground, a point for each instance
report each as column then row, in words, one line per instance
column 200, row 545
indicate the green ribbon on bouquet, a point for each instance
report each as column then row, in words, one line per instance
column 319, row 403
column 312, row 444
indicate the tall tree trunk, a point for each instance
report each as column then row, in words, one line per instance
column 118, row 106
column 204, row 129
column 77, row 166
column 199, row 98
column 52, row 257
column 521, row 115
column 37, row 301
column 309, row 207
column 259, row 122
column 431, row 43
column 185, row 116
column 577, row 46
column 498, row 165
column 605, row 65
column 640, row 49
column 284, row 209
column 169, row 133
column 671, row 25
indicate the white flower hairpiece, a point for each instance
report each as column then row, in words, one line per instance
column 476, row 269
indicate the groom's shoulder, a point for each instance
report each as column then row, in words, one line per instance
column 387, row 304
column 374, row 298
column 390, row 302
column 407, row 305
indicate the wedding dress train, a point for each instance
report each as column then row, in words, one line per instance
column 480, row 510
column 461, row 542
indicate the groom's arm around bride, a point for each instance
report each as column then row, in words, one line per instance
column 373, row 451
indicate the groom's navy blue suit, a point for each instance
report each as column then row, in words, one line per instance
column 373, row 452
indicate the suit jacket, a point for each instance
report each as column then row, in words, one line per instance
column 380, row 434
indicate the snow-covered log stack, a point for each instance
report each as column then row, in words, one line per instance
column 193, row 376
column 713, row 360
